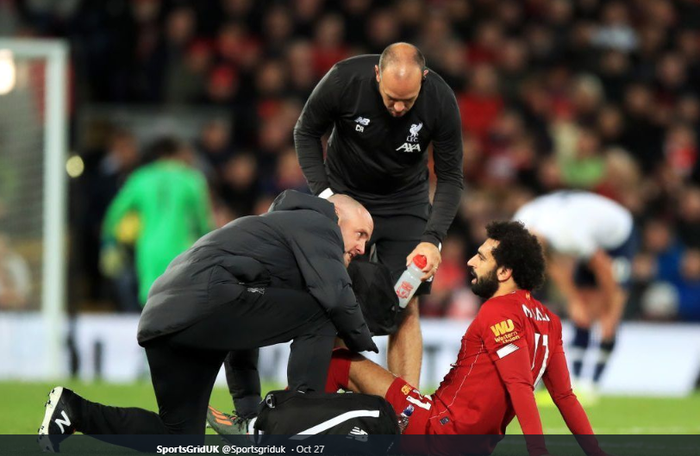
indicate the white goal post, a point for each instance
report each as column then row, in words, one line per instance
column 54, row 211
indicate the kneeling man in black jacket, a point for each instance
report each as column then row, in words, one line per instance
column 260, row 280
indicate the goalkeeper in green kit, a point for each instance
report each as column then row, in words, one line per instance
column 171, row 201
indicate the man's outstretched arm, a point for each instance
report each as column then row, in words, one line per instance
column 513, row 367
column 316, row 118
column 558, row 383
column 405, row 350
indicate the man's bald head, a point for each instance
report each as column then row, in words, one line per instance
column 400, row 74
column 401, row 57
column 356, row 225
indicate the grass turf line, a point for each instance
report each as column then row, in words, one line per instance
column 23, row 408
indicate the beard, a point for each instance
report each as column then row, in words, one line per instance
column 486, row 286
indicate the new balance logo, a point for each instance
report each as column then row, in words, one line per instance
column 362, row 122
column 357, row 434
column 406, row 147
column 61, row 422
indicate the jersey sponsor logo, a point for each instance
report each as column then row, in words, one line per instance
column 61, row 422
column 406, row 389
column 503, row 327
column 537, row 315
column 406, row 147
column 504, row 332
column 413, row 132
column 362, row 122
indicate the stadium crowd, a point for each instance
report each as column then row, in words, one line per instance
column 554, row 94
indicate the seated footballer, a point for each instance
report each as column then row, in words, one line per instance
column 512, row 344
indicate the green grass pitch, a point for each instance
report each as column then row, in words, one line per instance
column 23, row 408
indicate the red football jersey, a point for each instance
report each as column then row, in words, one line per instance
column 513, row 343
column 474, row 397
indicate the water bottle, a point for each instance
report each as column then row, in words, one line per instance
column 403, row 418
column 410, row 280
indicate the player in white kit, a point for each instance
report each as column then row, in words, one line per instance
column 590, row 244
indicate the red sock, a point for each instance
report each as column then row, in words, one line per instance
column 339, row 370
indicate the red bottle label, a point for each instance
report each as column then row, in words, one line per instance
column 404, row 290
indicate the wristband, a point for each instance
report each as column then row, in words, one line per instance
column 327, row 193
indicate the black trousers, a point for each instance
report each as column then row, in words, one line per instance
column 393, row 238
column 184, row 365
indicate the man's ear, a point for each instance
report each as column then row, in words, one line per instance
column 376, row 73
column 504, row 274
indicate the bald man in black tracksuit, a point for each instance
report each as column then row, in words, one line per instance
column 258, row 281
column 383, row 115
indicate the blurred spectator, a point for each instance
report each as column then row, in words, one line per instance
column 615, row 32
column 15, row 277
column 278, row 29
column 239, row 187
column 187, row 80
column 660, row 242
column 214, row 145
column 688, row 226
column 660, row 302
column 689, row 287
column 329, row 46
column 382, row 29
column 680, row 149
column 622, row 180
column 355, row 13
column 106, row 171
column 513, row 65
column 302, row 78
column 482, row 102
column 287, row 174
column 450, row 281
column 585, row 169
column 222, row 86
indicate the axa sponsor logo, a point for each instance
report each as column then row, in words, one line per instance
column 407, row 147
column 361, row 122
column 503, row 327
column 411, row 144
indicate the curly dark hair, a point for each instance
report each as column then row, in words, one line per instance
column 519, row 250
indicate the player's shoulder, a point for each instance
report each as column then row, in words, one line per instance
column 438, row 84
column 359, row 66
column 141, row 173
column 506, row 306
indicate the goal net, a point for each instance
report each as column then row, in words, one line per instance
column 33, row 194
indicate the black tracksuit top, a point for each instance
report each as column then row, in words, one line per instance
column 378, row 159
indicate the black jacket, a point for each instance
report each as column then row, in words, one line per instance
column 296, row 245
column 378, row 159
